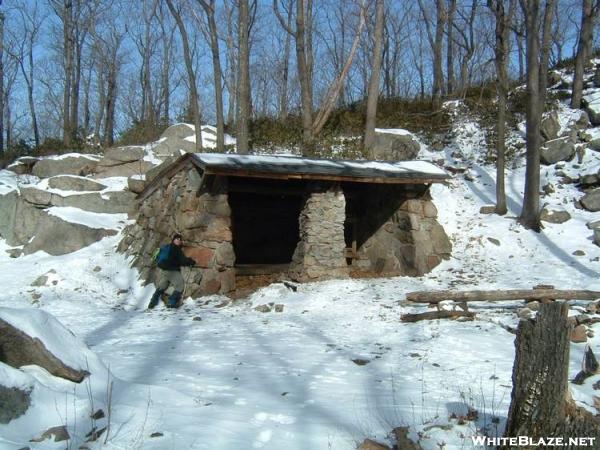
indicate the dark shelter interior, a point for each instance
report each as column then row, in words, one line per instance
column 264, row 221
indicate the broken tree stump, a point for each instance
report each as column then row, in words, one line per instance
column 540, row 405
column 433, row 315
column 501, row 295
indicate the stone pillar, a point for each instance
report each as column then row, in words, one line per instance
column 320, row 253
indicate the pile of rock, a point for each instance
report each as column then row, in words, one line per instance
column 72, row 180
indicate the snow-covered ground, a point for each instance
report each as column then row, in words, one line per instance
column 335, row 367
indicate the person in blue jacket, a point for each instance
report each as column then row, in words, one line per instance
column 170, row 261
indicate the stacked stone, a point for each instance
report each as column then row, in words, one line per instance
column 204, row 220
column 411, row 242
column 320, row 251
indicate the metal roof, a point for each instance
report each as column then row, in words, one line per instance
column 285, row 166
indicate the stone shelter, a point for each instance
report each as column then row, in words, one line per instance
column 304, row 219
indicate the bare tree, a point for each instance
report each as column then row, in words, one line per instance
column 2, row 102
column 31, row 23
column 450, row 46
column 167, row 37
column 187, row 54
column 231, row 66
column 501, row 49
column 467, row 42
column 209, row 9
column 76, row 17
column 589, row 11
column 546, row 44
column 243, row 116
column 373, row 94
column 303, row 63
column 530, row 214
column 285, row 69
column 304, row 60
column 107, row 45
column 436, row 40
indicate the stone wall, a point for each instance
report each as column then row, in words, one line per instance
column 397, row 231
column 320, row 251
column 204, row 220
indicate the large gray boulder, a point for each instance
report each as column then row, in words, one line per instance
column 72, row 164
column 36, row 196
column 591, row 102
column 19, row 349
column 114, row 202
column 591, row 200
column 554, row 215
column 23, row 165
column 172, row 146
column 19, row 219
column 122, row 162
column 123, row 154
column 106, row 168
column 179, row 131
column 14, row 402
column 561, row 149
column 74, row 183
column 56, row 236
column 550, row 126
column 390, row 146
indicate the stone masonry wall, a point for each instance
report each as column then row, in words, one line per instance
column 405, row 237
column 320, row 251
column 204, row 220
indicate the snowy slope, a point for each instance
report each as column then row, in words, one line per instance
column 335, row 367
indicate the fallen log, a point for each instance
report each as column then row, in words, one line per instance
column 501, row 295
column 433, row 315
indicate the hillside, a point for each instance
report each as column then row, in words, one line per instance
column 336, row 365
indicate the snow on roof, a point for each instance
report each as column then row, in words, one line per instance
column 285, row 164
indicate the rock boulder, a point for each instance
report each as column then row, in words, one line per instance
column 554, row 216
column 391, row 146
column 15, row 402
column 550, row 126
column 56, row 236
column 19, row 349
column 72, row 164
column 591, row 200
column 561, row 149
column 74, row 183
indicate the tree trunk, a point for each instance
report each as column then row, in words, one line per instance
column 111, row 99
column 501, row 63
column 545, row 51
column 540, row 403
column 435, row 315
column 243, row 78
column 283, row 95
column 450, row 46
column 305, row 81
column 2, row 105
column 232, row 66
column 438, row 73
column 373, row 95
column 585, row 36
column 530, row 214
column 187, row 54
column 68, row 47
column 501, row 295
column 209, row 9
